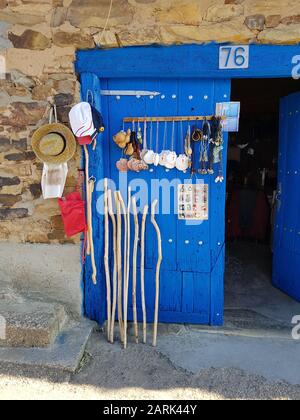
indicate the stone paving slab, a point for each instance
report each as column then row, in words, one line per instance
column 65, row 354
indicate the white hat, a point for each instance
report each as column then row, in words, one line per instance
column 81, row 121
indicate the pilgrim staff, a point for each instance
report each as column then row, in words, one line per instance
column 87, row 178
column 145, row 212
column 90, row 191
column 106, row 258
column 126, row 282
column 157, row 273
column 115, row 269
column 123, row 210
column 119, row 263
column 134, row 268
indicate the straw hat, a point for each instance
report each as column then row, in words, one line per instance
column 54, row 143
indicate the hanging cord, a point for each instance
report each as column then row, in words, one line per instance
column 151, row 134
column 145, row 136
column 157, row 136
column 90, row 93
column 173, row 137
column 165, row 135
column 107, row 20
column 53, row 111
column 182, row 137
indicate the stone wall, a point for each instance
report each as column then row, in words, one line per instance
column 38, row 39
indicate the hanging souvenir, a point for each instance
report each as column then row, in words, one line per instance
column 182, row 161
column 164, row 152
column 122, row 138
column 122, row 165
column 204, row 147
column 187, row 148
column 139, row 135
column 217, row 141
column 148, row 158
column 171, row 156
column 145, row 149
column 54, row 144
column 197, row 134
column 156, row 154
column 129, row 149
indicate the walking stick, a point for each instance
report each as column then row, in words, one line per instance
column 106, row 259
column 114, row 299
column 134, row 268
column 145, row 212
column 127, row 270
column 119, row 264
column 87, row 178
column 91, row 186
column 157, row 274
column 123, row 208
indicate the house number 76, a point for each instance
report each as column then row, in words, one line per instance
column 234, row 57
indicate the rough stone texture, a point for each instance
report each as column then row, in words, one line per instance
column 226, row 13
column 256, row 22
column 31, row 40
column 52, row 272
column 64, row 355
column 40, row 38
column 287, row 34
column 30, row 323
column 76, row 39
column 272, row 21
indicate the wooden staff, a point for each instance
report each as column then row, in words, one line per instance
column 119, row 264
column 145, row 212
column 106, row 259
column 115, row 269
column 157, row 274
column 123, row 208
column 127, row 270
column 134, row 268
column 91, row 186
column 87, row 178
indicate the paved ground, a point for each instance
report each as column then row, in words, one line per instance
column 143, row 372
column 240, row 362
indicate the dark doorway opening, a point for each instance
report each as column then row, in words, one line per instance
column 251, row 193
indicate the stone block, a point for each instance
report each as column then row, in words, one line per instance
column 21, row 114
column 223, row 13
column 94, row 13
column 272, row 21
column 31, row 40
column 255, row 22
column 9, row 200
column 283, row 34
column 11, row 214
column 5, row 181
column 76, row 39
column 31, row 324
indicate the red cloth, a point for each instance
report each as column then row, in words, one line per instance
column 73, row 213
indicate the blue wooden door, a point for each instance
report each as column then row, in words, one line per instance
column 192, row 271
column 286, row 271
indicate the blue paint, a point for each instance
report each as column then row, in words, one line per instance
column 187, row 269
column 186, row 61
column 287, row 238
column 192, row 280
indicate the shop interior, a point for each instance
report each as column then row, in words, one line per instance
column 251, row 189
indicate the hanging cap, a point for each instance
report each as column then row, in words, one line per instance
column 86, row 122
column 97, row 121
column 81, row 121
